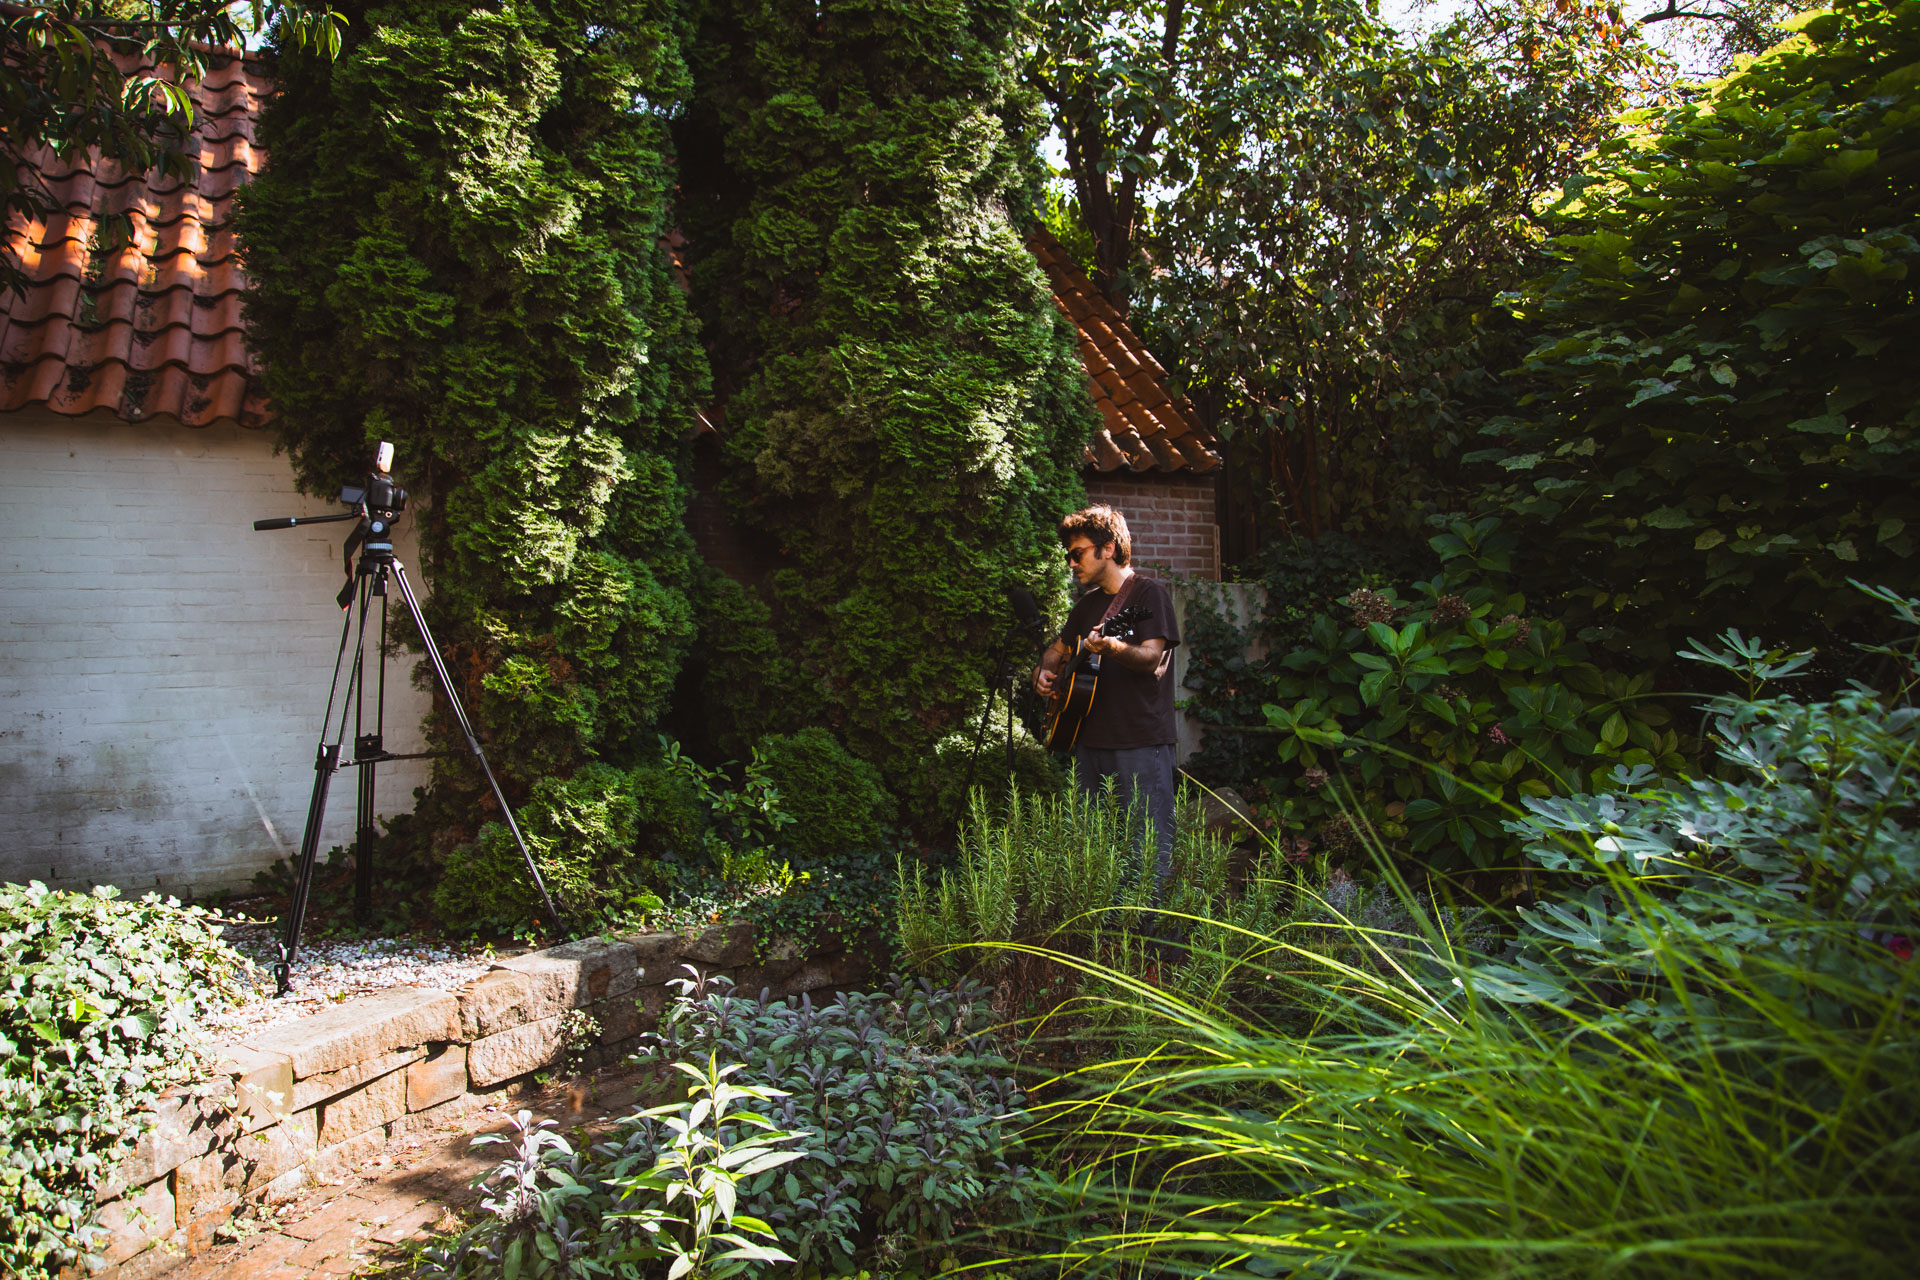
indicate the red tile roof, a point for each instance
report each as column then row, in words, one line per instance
column 1143, row 428
column 154, row 328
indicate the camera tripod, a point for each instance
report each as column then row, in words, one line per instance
column 376, row 507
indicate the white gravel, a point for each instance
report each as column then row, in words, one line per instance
column 330, row 970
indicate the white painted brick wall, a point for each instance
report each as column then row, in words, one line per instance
column 163, row 668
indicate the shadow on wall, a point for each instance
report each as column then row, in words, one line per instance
column 163, row 668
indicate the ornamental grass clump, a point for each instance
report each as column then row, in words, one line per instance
column 1699, row 1057
column 102, row 1006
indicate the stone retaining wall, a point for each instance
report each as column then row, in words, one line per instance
column 307, row 1101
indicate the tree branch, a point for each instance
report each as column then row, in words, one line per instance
column 1674, row 11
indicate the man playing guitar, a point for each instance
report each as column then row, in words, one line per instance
column 1128, row 733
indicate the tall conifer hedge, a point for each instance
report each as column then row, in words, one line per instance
column 906, row 408
column 456, row 247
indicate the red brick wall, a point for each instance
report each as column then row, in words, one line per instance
column 1171, row 517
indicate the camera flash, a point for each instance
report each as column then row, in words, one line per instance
column 383, row 457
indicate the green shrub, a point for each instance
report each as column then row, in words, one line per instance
column 1302, row 579
column 1426, row 720
column 1063, row 873
column 901, row 1104
column 607, row 836
column 745, row 819
column 1702, row 1060
column 741, row 683
column 673, row 812
column 1808, row 840
column 1717, row 425
column 581, row 832
column 101, row 1008
column 856, row 185
column 457, row 248
column 837, row 803
column 957, row 770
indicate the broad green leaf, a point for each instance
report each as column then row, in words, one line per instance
column 1613, row 733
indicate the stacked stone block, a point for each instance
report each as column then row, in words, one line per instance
column 308, row 1101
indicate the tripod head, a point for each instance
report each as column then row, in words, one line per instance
column 376, row 505
column 379, row 502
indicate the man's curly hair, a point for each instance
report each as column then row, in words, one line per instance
column 1103, row 527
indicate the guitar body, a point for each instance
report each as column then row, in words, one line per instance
column 1080, row 680
column 1068, row 709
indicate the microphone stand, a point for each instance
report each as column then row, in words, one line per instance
column 1006, row 672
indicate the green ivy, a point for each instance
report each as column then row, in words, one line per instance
column 906, row 408
column 1720, row 420
column 101, row 1009
column 457, row 248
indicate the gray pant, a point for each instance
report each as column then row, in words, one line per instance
column 1140, row 774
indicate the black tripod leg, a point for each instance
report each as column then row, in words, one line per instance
column 363, row 848
column 1011, row 677
column 326, row 761
column 473, row 742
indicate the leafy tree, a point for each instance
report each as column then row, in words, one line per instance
column 1718, row 423
column 457, row 247
column 80, row 74
column 1131, row 87
column 905, row 407
column 1719, row 32
column 1325, row 271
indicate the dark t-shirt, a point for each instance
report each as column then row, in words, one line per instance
column 1130, row 708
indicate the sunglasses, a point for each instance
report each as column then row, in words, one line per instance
column 1073, row 556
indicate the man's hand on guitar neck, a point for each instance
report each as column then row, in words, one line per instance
column 1142, row 657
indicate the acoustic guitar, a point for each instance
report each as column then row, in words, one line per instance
column 1073, row 695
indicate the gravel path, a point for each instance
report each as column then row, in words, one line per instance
column 331, row 970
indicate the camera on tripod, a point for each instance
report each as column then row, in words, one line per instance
column 381, row 498
column 376, row 506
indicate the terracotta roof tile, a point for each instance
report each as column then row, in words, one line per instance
column 1145, row 429
column 1106, row 454
column 154, row 328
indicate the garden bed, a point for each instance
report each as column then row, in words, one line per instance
column 334, row 969
column 304, row 1099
